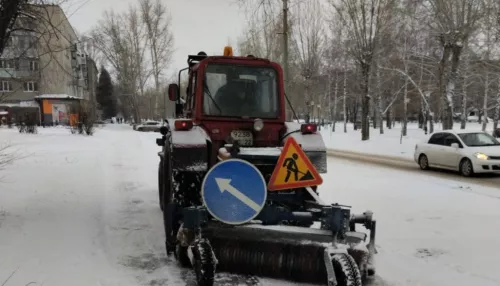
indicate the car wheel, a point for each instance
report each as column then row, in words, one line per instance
column 466, row 168
column 423, row 162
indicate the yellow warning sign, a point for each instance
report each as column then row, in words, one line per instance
column 294, row 169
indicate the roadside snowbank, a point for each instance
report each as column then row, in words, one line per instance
column 389, row 143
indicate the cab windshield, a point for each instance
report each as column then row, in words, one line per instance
column 240, row 91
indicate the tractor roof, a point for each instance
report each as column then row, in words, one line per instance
column 228, row 55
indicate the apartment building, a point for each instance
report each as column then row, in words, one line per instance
column 42, row 71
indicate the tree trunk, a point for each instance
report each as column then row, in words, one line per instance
column 393, row 117
column 463, row 118
column 380, row 105
column 450, row 88
column 344, row 97
column 388, row 118
column 423, row 111
column 365, row 102
column 431, row 122
column 497, row 108
column 335, row 101
column 442, row 87
column 485, row 100
column 404, row 127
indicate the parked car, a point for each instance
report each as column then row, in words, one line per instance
column 149, row 126
column 462, row 151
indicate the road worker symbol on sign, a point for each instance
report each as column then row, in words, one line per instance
column 291, row 168
column 294, row 169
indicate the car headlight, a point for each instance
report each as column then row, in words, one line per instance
column 481, row 156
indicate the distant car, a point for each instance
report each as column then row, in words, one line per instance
column 149, row 126
column 462, row 151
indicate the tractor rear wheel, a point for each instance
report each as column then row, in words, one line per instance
column 160, row 184
column 169, row 221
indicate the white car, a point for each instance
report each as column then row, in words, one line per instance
column 149, row 126
column 466, row 152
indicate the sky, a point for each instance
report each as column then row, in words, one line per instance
column 198, row 25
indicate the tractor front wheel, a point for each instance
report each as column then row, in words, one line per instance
column 203, row 261
column 346, row 270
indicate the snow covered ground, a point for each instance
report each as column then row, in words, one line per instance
column 80, row 210
column 388, row 143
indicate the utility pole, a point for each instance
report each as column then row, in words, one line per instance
column 285, row 52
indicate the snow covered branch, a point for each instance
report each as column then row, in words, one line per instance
column 7, row 155
column 407, row 76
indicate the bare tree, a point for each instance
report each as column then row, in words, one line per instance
column 7, row 156
column 160, row 41
column 121, row 39
column 364, row 20
column 263, row 27
column 308, row 43
column 454, row 21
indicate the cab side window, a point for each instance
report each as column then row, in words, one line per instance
column 190, row 94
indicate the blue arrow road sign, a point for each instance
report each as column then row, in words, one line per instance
column 234, row 191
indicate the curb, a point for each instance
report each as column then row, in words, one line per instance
column 363, row 156
column 392, row 162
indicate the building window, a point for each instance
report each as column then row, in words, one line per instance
column 6, row 64
column 5, row 86
column 21, row 42
column 34, row 65
column 30, row 86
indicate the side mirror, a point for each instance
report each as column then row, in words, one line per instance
column 455, row 145
column 173, row 92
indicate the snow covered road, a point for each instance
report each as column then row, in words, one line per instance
column 84, row 211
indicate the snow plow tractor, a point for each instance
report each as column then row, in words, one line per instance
column 238, row 184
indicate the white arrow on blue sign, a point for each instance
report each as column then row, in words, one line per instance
column 234, row 191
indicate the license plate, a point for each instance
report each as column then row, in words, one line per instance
column 244, row 138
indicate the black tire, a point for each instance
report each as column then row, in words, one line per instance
column 346, row 270
column 160, row 184
column 423, row 162
column 466, row 169
column 204, row 262
column 170, row 224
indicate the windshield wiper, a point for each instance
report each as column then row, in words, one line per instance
column 207, row 91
